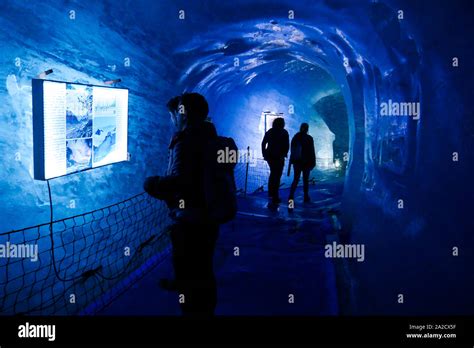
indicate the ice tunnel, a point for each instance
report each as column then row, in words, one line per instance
column 382, row 85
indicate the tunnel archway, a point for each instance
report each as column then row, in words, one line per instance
column 238, row 54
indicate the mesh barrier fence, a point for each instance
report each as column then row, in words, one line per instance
column 82, row 259
column 251, row 176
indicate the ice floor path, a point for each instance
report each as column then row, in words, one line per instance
column 280, row 254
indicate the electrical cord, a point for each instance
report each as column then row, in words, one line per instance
column 51, row 223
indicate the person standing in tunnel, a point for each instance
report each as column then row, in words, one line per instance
column 193, row 235
column 303, row 159
column 275, row 147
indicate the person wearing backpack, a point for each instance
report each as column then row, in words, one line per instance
column 275, row 146
column 186, row 189
column 303, row 159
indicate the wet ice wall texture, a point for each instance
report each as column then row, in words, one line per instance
column 373, row 52
column 86, row 42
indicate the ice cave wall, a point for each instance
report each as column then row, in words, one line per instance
column 87, row 42
column 372, row 55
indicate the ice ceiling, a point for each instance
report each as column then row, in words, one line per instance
column 290, row 55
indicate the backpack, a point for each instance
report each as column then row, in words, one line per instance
column 220, row 188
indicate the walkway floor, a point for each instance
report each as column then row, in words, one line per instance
column 280, row 254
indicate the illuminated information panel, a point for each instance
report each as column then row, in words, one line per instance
column 77, row 127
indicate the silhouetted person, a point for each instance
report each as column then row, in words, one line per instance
column 275, row 146
column 193, row 236
column 303, row 159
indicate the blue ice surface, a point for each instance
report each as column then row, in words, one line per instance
column 257, row 58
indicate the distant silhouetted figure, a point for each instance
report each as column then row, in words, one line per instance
column 275, row 146
column 303, row 159
column 193, row 234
